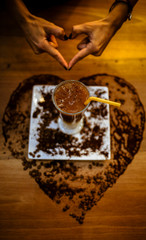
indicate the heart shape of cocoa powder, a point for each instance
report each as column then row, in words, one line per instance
column 77, row 185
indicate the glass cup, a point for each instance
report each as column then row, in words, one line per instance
column 70, row 122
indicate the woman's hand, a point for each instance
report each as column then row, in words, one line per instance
column 98, row 34
column 41, row 35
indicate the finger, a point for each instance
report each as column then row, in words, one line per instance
column 83, row 43
column 80, row 55
column 77, row 30
column 81, row 46
column 54, row 53
column 56, row 31
column 52, row 41
column 35, row 48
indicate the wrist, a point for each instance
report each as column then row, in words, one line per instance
column 118, row 15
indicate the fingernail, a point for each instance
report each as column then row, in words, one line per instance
column 65, row 37
column 65, row 68
column 69, row 69
column 70, row 36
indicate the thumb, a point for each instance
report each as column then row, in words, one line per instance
column 56, row 31
column 77, row 30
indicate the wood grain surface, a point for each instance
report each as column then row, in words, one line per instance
column 25, row 211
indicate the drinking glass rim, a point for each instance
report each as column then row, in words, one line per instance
column 60, row 110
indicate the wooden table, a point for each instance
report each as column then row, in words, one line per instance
column 25, row 211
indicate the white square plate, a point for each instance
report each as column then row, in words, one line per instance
column 100, row 121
